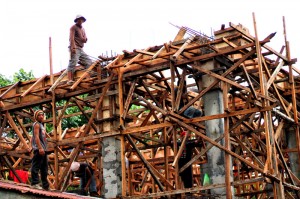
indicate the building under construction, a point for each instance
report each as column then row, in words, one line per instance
column 135, row 105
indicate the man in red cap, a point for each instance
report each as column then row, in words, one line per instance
column 77, row 40
column 39, row 146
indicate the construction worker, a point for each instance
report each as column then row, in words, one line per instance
column 39, row 146
column 190, row 112
column 186, row 156
column 77, row 40
column 87, row 178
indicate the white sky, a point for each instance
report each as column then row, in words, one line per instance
column 116, row 25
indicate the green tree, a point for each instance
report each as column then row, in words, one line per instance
column 70, row 122
column 22, row 75
column 4, row 81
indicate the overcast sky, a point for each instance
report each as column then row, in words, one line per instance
column 116, row 25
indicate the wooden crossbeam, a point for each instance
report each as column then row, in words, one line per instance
column 14, row 126
column 75, row 151
column 84, row 75
column 148, row 166
column 129, row 98
column 52, row 88
column 33, row 85
column 253, row 39
column 217, row 81
column 9, row 89
column 233, row 83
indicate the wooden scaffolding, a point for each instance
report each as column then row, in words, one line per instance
column 132, row 96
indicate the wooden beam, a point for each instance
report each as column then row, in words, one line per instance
column 85, row 74
column 274, row 74
column 221, row 78
column 182, row 146
column 237, row 64
column 9, row 89
column 14, row 126
column 11, row 168
column 52, row 88
column 253, row 39
column 150, row 169
column 129, row 98
column 33, row 85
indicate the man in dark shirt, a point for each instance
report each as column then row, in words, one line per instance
column 39, row 146
column 190, row 112
column 77, row 40
column 87, row 179
column 186, row 155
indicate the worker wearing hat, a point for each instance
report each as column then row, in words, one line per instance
column 39, row 162
column 87, row 179
column 77, row 40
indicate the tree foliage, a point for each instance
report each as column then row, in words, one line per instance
column 74, row 121
column 22, row 75
column 4, row 81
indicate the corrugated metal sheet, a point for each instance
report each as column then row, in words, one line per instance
column 26, row 189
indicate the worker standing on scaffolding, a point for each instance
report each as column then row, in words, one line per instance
column 77, row 40
column 39, row 145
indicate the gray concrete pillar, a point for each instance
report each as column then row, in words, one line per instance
column 213, row 104
column 112, row 169
column 293, row 156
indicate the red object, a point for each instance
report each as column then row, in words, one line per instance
column 22, row 174
column 183, row 133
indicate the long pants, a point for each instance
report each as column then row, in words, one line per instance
column 84, row 181
column 39, row 163
column 186, row 175
column 79, row 55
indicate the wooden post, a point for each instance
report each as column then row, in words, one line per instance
column 121, row 109
column 56, row 167
column 50, row 61
column 227, row 144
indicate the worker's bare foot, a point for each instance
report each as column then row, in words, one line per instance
column 37, row 186
column 70, row 82
column 94, row 194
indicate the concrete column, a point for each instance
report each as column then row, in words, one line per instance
column 111, row 151
column 112, row 170
column 293, row 156
column 213, row 104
